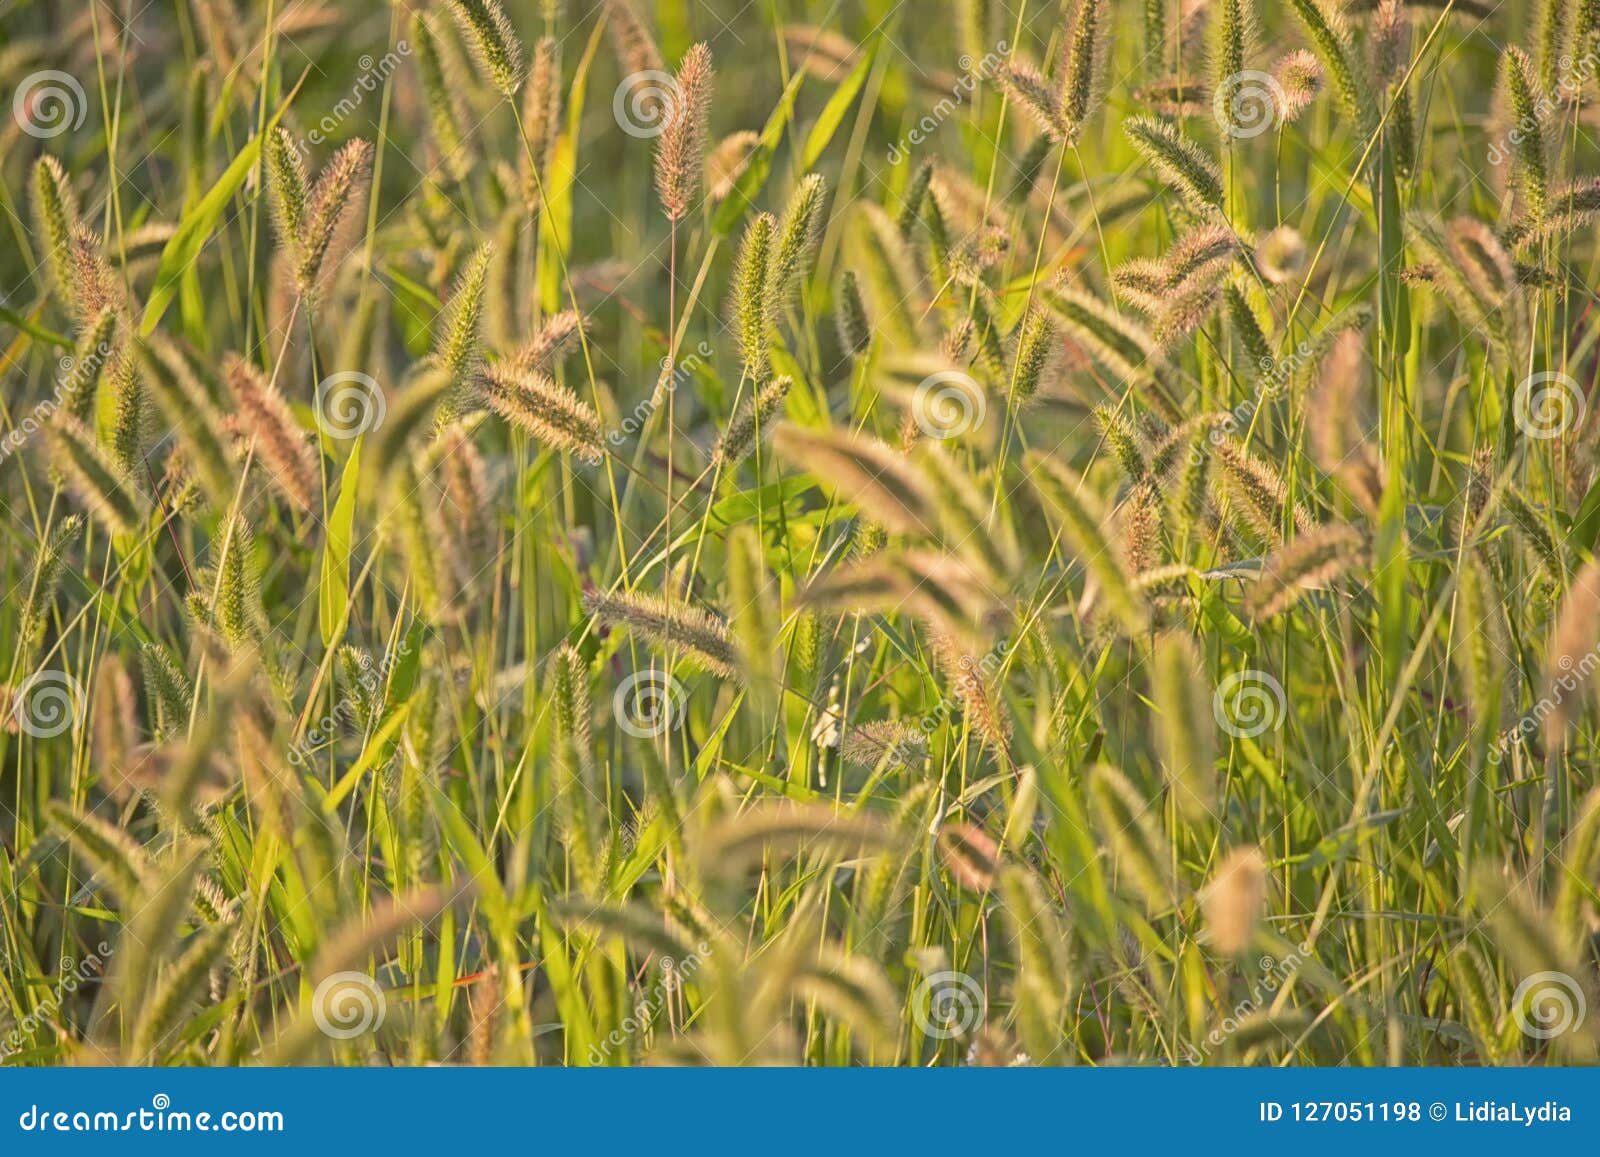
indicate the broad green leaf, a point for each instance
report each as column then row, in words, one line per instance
column 833, row 113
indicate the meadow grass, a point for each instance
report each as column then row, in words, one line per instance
column 799, row 533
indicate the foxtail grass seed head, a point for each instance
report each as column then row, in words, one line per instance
column 339, row 186
column 1080, row 526
column 1179, row 162
column 680, row 152
column 1188, row 730
column 47, row 569
column 1299, row 78
column 1390, row 39
column 280, row 442
column 752, row 294
column 751, row 422
column 1235, row 32
column 56, row 219
column 850, row 315
column 1114, row 340
column 1084, row 72
column 796, row 237
column 728, row 161
column 457, row 347
column 991, row 681
column 287, row 190
column 1035, row 345
column 1281, row 256
column 1257, row 492
column 1574, row 653
column 1035, row 95
column 541, row 109
column 883, row 743
column 552, row 414
column 1125, row 821
column 1525, row 108
column 703, row 637
column 555, row 339
column 1312, row 562
column 494, row 42
column 631, row 40
column 94, row 286
column 1123, row 441
column 1233, row 901
column 911, row 200
column 866, row 471
column 441, row 91
column 1329, row 32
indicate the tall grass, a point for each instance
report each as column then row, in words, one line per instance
column 582, row 534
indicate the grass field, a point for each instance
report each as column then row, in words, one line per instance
column 923, row 533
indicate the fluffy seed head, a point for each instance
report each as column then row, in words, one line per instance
column 752, row 421
column 1281, row 255
column 752, row 294
column 855, row 330
column 680, row 154
column 534, row 404
column 1300, row 79
column 494, row 42
column 1233, row 900
column 703, row 635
